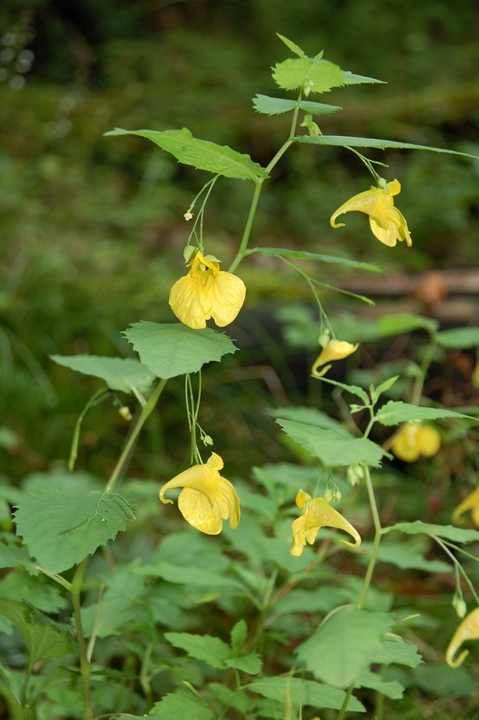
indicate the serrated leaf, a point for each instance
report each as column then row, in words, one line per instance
column 61, row 529
column 396, row 412
column 238, row 635
column 318, row 75
column 202, row 647
column 344, row 645
column 175, row 349
column 333, row 449
column 250, row 663
column 123, row 374
column 353, row 79
column 305, row 255
column 292, row 46
column 180, row 705
column 15, row 556
column 403, row 323
column 391, row 689
column 459, row 338
column 442, row 531
column 311, row 416
column 304, row 692
column 384, row 387
column 346, row 141
column 201, row 154
column 43, row 642
column 398, row 651
column 276, row 106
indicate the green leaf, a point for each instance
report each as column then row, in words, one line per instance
column 203, row 155
column 180, row 705
column 14, row 555
column 38, row 593
column 175, row 349
column 459, row 338
column 403, row 323
column 442, row 531
column 406, row 558
column 397, row 651
column 396, row 412
column 443, row 680
column 187, row 575
column 353, row 79
column 317, row 75
column 202, row 647
column 346, row 643
column 123, row 374
column 384, row 387
column 353, row 389
column 43, row 642
column 61, row 529
column 392, row 689
column 311, row 416
column 345, row 141
column 292, row 46
column 237, row 699
column 250, row 663
column 333, row 449
column 305, row 255
column 276, row 106
column 304, row 692
column 238, row 636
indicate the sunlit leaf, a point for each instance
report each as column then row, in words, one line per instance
column 441, row 531
column 276, row 106
column 346, row 141
column 395, row 412
column 317, row 75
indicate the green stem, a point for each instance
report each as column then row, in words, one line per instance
column 458, row 566
column 124, row 457
column 249, row 224
column 84, row 664
column 345, row 704
column 144, row 677
column 419, row 384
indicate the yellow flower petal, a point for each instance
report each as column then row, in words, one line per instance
column 385, row 220
column 207, row 292
column 333, row 350
column 471, row 502
column 318, row 513
column 414, row 440
column 467, row 630
column 207, row 498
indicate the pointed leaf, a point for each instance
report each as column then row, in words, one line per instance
column 392, row 689
column 397, row 651
column 318, row 75
column 353, row 79
column 276, row 106
column 202, row 647
column 442, row 531
column 292, row 46
column 238, row 635
column 174, row 349
column 305, row 255
column 310, row 416
column 304, row 692
column 203, row 155
column 396, row 412
column 43, row 642
column 250, row 663
column 459, row 338
column 353, row 389
column 345, row 141
column 119, row 373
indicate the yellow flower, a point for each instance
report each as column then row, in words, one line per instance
column 317, row 513
column 206, row 498
column 387, row 223
column 467, row 630
column 414, row 440
column 471, row 502
column 207, row 292
column 333, row 350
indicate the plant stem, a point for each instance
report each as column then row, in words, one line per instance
column 84, row 664
column 419, row 384
column 124, row 457
column 249, row 224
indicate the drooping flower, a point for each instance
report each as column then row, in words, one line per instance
column 471, row 502
column 207, row 292
column 207, row 498
column 467, row 630
column 318, row 513
column 414, row 440
column 333, row 350
column 385, row 220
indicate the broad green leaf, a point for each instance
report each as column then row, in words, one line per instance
column 203, row 155
column 179, row 706
column 292, row 46
column 443, row 680
column 210, row 649
column 406, row 558
column 187, row 575
column 333, row 449
column 238, row 635
column 15, row 556
column 345, row 644
column 43, row 642
column 250, row 663
column 119, row 373
column 66, row 482
column 317, row 75
column 304, row 692
column 305, row 255
column 61, row 529
column 398, row 651
column 276, row 106
column 442, row 531
column 39, row 593
column 392, row 689
column 459, row 338
column 396, row 412
column 345, row 141
column 311, row 416
column 404, row 323
column 175, row 349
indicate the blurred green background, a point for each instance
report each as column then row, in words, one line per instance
column 92, row 228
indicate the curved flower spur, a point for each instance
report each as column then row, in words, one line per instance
column 467, row 630
column 318, row 513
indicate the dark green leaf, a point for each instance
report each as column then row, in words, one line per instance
column 14, row 555
column 443, row 680
column 238, row 636
column 304, row 692
column 397, row 651
column 202, row 647
column 43, row 642
column 396, row 412
column 406, row 558
column 305, row 255
column 203, row 155
column 311, row 416
column 392, row 689
column 250, row 664
column 187, row 575
column 459, row 338
column 442, row 531
column 175, row 349
column 180, row 706
column 345, row 141
column 118, row 373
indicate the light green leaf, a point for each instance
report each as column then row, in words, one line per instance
column 399, row 323
column 398, row 651
column 237, row 699
column 238, row 635
column 180, row 705
column 42, row 641
column 61, row 529
column 406, row 558
column 292, row 46
column 305, row 255
column 276, row 106
column 119, row 373
column 202, row 647
column 311, row 416
column 384, row 387
column 392, row 689
column 333, row 449
column 353, row 389
column 344, row 645
column 345, row 141
column 442, row 531
column 396, row 412
column 8, row 438
column 443, row 680
column 304, row 692
column 250, row 663
column 459, row 338
column 175, row 349
column 317, row 75
column 353, row 79
column 203, row 155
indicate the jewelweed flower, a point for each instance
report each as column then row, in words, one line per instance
column 333, row 350
column 207, row 498
column 471, row 502
column 467, row 630
column 414, row 440
column 385, row 220
column 318, row 513
column 207, row 292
